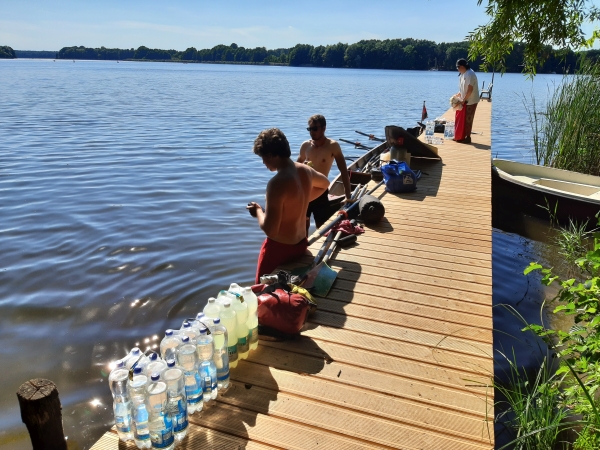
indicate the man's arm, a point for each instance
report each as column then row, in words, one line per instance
column 320, row 183
column 270, row 220
column 302, row 154
column 341, row 164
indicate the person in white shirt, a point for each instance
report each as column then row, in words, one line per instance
column 469, row 94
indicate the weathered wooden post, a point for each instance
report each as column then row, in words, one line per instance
column 41, row 413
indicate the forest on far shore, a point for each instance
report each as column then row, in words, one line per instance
column 399, row 54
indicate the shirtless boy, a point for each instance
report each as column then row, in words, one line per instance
column 320, row 152
column 288, row 194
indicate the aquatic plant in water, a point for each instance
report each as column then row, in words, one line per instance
column 566, row 134
column 578, row 349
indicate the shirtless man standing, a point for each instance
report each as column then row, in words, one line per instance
column 288, row 195
column 320, row 152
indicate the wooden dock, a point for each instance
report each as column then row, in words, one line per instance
column 399, row 355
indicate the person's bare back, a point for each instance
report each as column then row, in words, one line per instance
column 288, row 195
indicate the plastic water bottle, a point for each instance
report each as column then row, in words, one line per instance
column 160, row 424
column 224, row 297
column 229, row 321
column 156, row 365
column 241, row 315
column 134, row 356
column 235, row 288
column 208, row 372
column 252, row 322
column 212, row 308
column 117, row 381
column 204, row 346
column 221, row 356
column 188, row 330
column 139, row 413
column 174, row 376
column 169, row 345
column 188, row 360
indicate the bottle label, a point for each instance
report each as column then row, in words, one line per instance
column 232, row 352
column 253, row 335
column 142, row 434
column 163, row 438
column 242, row 345
column 180, row 417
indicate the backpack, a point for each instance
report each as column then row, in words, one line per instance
column 399, row 177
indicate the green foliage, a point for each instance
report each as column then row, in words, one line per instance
column 537, row 24
column 530, row 407
column 567, row 131
column 7, row 53
column 578, row 349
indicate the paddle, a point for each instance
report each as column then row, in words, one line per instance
column 343, row 213
column 370, row 136
column 322, row 277
column 356, row 144
column 301, row 271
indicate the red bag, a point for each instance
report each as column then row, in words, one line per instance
column 281, row 310
column 460, row 119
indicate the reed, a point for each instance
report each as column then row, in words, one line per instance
column 566, row 135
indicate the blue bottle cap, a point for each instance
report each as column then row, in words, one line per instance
column 169, row 333
column 185, row 339
column 200, row 315
column 137, row 370
column 170, row 363
column 155, row 376
column 186, row 324
column 153, row 356
column 203, row 331
column 119, row 363
column 135, row 351
column 217, row 321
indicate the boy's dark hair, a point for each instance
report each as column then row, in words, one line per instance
column 272, row 142
column 463, row 62
column 319, row 119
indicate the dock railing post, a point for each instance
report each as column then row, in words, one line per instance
column 41, row 412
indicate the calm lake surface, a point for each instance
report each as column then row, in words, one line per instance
column 122, row 195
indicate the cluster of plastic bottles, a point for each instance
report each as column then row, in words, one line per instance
column 154, row 394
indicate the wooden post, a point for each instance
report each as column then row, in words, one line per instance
column 41, row 413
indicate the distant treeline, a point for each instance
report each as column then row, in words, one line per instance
column 43, row 54
column 7, row 53
column 407, row 54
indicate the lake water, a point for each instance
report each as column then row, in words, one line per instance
column 123, row 189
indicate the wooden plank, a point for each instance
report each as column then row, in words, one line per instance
column 420, row 304
column 286, row 434
column 319, row 415
column 375, row 404
column 466, row 341
column 442, row 356
column 367, row 380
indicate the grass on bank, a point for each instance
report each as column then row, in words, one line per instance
column 566, row 134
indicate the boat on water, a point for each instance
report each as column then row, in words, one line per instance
column 568, row 195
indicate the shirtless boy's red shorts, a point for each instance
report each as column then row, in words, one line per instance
column 273, row 254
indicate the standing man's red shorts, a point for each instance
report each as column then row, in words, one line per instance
column 273, row 254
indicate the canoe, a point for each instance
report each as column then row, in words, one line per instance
column 336, row 187
column 534, row 188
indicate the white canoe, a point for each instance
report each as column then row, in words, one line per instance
column 572, row 185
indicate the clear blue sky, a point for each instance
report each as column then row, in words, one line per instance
column 179, row 24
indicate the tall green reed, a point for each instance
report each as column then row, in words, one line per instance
column 566, row 135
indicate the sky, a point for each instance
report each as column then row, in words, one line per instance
column 179, row 24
